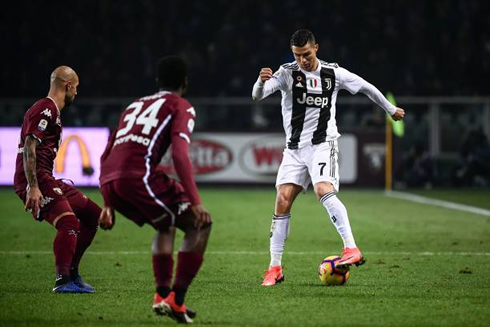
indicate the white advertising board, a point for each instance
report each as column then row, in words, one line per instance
column 251, row 158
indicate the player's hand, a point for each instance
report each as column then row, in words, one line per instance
column 202, row 216
column 399, row 114
column 34, row 201
column 107, row 218
column 265, row 74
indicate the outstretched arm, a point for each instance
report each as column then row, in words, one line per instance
column 354, row 83
column 266, row 84
column 377, row 97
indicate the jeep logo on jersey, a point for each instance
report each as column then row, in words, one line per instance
column 313, row 100
column 262, row 157
column 206, row 157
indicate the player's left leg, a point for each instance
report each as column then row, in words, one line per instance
column 170, row 301
column 163, row 263
column 324, row 172
column 88, row 213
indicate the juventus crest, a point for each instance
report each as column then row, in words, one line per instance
column 328, row 83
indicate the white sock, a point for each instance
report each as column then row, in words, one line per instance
column 279, row 234
column 338, row 214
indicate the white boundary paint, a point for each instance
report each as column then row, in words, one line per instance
column 306, row 253
column 438, row 203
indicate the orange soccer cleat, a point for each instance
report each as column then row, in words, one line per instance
column 168, row 307
column 273, row 276
column 351, row 256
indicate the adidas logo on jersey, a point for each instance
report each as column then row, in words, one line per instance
column 313, row 100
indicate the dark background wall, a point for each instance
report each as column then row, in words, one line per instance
column 408, row 47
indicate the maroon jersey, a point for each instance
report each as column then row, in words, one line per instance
column 145, row 130
column 43, row 122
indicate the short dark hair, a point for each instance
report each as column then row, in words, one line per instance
column 301, row 37
column 171, row 72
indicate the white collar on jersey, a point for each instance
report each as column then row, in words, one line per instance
column 317, row 70
column 50, row 98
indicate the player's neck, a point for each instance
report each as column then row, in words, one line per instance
column 58, row 99
column 175, row 92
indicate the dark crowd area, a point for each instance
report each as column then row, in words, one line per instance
column 418, row 48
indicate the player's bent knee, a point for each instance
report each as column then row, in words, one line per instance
column 90, row 215
column 283, row 201
column 322, row 188
column 66, row 221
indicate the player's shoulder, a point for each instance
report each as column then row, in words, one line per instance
column 44, row 107
column 290, row 66
column 179, row 102
column 326, row 64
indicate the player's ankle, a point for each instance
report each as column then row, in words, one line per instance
column 179, row 295
column 62, row 279
column 163, row 291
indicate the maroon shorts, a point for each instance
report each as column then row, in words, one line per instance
column 59, row 199
column 158, row 201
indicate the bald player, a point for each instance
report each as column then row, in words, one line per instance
column 73, row 214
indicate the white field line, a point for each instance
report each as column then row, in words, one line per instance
column 439, row 203
column 102, row 253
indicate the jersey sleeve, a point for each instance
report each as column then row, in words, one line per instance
column 182, row 127
column 38, row 120
column 183, row 120
column 278, row 81
column 354, row 83
column 349, row 81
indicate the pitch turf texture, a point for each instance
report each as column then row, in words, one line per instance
column 427, row 266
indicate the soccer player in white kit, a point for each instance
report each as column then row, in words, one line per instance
column 309, row 88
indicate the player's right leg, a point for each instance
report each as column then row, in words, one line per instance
column 189, row 261
column 292, row 178
column 61, row 216
column 286, row 194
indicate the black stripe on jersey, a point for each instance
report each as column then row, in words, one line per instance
column 329, row 64
column 332, row 159
column 327, row 79
column 299, row 109
column 293, row 66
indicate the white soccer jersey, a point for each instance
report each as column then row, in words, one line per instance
column 308, row 100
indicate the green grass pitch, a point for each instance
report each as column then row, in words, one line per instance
column 427, row 266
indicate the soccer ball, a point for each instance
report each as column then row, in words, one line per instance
column 330, row 274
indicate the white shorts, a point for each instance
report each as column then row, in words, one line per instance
column 312, row 163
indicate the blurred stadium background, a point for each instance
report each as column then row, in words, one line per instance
column 433, row 55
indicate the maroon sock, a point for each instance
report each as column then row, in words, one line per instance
column 65, row 243
column 89, row 222
column 163, row 265
column 84, row 239
column 187, row 267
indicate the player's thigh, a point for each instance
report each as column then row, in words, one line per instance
column 323, row 165
column 78, row 200
column 185, row 221
column 293, row 170
column 117, row 194
column 55, row 204
column 159, row 199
